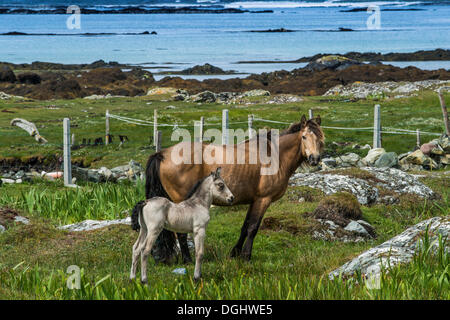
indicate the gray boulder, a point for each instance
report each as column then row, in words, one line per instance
column 387, row 160
column 399, row 249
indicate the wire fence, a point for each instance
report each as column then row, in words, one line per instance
column 388, row 130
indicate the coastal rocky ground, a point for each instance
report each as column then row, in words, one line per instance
column 41, row 80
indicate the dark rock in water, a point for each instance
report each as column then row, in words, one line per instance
column 13, row 33
column 345, row 29
column 273, row 30
column 29, row 78
column 6, row 74
column 331, row 63
column 204, row 69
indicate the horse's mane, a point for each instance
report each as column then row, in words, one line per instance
column 298, row 126
column 195, row 187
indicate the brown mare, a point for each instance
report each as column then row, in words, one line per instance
column 302, row 141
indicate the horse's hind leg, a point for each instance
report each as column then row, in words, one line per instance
column 137, row 247
column 145, row 252
column 182, row 240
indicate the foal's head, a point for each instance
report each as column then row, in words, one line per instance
column 312, row 138
column 220, row 191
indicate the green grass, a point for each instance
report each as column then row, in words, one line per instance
column 285, row 264
column 88, row 121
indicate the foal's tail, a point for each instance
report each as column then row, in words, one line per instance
column 137, row 211
column 153, row 187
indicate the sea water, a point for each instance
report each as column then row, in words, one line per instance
column 184, row 40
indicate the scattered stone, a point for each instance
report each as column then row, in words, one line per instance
column 373, row 156
column 2, row 228
column 354, row 226
column 284, row 98
column 88, row 225
column 362, row 90
column 348, row 160
column 387, row 160
column 204, row 97
column 397, row 250
column 366, row 191
column 333, row 183
column 161, row 91
column 256, row 93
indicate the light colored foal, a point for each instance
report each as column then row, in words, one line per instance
column 189, row 216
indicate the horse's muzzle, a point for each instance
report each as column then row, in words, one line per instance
column 230, row 199
column 314, row 160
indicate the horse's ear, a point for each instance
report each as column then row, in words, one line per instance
column 303, row 121
column 318, row 120
column 217, row 173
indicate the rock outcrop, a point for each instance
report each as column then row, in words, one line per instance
column 367, row 191
column 397, row 250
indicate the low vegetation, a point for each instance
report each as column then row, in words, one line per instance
column 287, row 263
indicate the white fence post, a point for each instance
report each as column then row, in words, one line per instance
column 158, row 141
column 155, row 127
column 311, row 114
column 225, row 126
column 250, row 126
column 67, row 163
column 198, row 130
column 107, row 127
column 377, row 127
column 418, row 137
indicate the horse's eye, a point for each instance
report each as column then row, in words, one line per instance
column 221, row 186
column 304, row 137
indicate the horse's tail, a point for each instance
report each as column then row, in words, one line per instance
column 165, row 244
column 137, row 211
column 153, row 185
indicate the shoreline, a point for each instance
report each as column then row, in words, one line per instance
column 43, row 80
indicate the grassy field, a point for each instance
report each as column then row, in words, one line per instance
column 88, row 121
column 286, row 263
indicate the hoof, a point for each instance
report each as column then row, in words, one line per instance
column 187, row 260
column 144, row 281
column 197, row 279
column 246, row 256
column 235, row 252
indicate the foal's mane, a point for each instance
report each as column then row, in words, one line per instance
column 195, row 187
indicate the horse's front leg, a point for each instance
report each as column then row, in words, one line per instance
column 254, row 220
column 199, row 240
column 236, row 251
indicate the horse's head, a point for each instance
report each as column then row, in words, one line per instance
column 312, row 139
column 219, row 189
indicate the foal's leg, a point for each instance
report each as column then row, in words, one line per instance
column 182, row 240
column 146, row 249
column 259, row 208
column 137, row 247
column 236, row 251
column 199, row 240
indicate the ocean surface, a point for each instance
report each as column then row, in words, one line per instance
column 222, row 39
